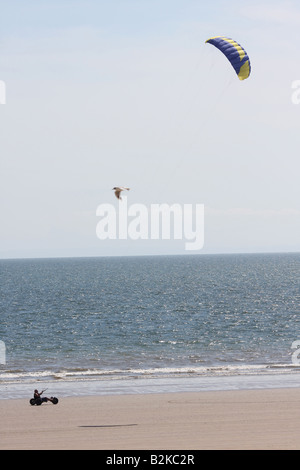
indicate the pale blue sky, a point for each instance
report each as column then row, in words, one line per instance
column 127, row 92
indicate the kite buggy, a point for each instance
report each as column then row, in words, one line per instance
column 38, row 399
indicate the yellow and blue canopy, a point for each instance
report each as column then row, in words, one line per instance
column 235, row 53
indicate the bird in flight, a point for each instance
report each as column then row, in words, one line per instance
column 118, row 190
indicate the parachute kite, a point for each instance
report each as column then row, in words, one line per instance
column 235, row 53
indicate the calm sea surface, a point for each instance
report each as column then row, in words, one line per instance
column 135, row 317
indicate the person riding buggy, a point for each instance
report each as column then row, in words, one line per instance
column 38, row 399
column 37, row 395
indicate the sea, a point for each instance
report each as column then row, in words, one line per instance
column 149, row 324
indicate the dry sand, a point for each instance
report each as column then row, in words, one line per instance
column 258, row 419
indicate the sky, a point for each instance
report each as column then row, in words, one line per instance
column 127, row 92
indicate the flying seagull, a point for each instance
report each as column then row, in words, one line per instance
column 118, row 190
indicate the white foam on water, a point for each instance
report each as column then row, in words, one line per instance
column 145, row 385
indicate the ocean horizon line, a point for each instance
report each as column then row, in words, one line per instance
column 158, row 255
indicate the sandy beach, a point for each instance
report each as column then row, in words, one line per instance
column 252, row 419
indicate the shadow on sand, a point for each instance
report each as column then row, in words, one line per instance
column 107, row 425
